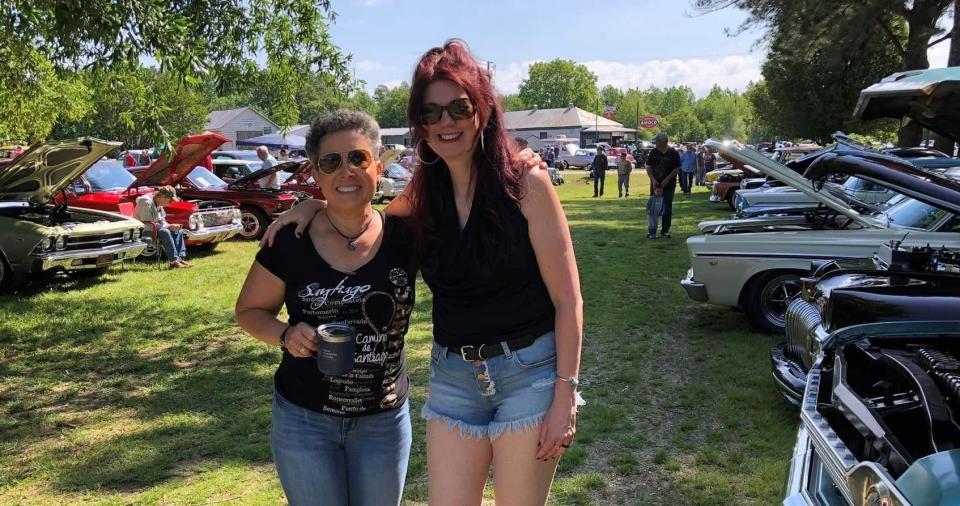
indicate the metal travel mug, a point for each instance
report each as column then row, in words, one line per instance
column 335, row 348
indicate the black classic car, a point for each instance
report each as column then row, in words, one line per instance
column 872, row 359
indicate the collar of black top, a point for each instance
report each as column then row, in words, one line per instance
column 485, row 351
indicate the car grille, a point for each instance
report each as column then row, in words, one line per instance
column 94, row 241
column 216, row 218
column 801, row 319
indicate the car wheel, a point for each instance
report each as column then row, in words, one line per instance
column 9, row 280
column 254, row 222
column 766, row 299
column 566, row 165
column 732, row 199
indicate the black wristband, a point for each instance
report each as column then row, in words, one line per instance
column 283, row 337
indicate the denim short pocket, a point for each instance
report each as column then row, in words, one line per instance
column 542, row 351
column 435, row 351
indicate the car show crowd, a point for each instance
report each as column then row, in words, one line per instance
column 850, row 251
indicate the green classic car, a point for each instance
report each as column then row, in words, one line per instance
column 38, row 235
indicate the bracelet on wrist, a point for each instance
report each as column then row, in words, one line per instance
column 572, row 381
column 283, row 337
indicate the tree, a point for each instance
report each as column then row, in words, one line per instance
column 512, row 103
column 818, row 29
column 195, row 40
column 762, row 120
column 558, row 83
column 611, row 95
column 392, row 105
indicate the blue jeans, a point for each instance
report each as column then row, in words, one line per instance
column 667, row 212
column 173, row 244
column 623, row 183
column 506, row 393
column 339, row 461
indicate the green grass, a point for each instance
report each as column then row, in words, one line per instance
column 139, row 387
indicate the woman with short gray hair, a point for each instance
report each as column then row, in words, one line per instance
column 338, row 437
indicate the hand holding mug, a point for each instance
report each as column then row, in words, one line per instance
column 301, row 340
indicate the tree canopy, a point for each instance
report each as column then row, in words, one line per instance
column 558, row 83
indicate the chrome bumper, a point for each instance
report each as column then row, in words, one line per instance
column 796, row 484
column 695, row 289
column 88, row 259
column 213, row 234
column 714, row 197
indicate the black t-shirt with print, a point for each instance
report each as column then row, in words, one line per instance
column 663, row 164
column 377, row 299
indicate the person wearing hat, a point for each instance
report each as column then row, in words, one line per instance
column 150, row 210
column 598, row 169
column 662, row 166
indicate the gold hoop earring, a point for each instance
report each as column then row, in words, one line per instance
column 422, row 159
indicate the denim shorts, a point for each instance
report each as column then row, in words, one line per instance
column 506, row 393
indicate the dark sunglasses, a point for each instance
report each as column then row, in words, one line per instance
column 461, row 108
column 330, row 162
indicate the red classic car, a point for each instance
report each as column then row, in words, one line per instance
column 258, row 206
column 107, row 186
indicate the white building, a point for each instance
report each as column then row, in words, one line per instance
column 535, row 125
column 239, row 124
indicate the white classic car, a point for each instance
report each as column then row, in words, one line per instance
column 755, row 263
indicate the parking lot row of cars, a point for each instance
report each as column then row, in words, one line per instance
column 65, row 207
column 854, row 254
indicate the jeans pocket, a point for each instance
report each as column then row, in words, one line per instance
column 542, row 351
column 435, row 352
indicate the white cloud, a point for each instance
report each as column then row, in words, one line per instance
column 367, row 65
column 699, row 74
column 371, row 3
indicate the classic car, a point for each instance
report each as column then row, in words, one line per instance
column 726, row 182
column 871, row 360
column 258, row 206
column 579, row 158
column 107, row 186
column 394, row 179
column 230, row 169
column 38, row 236
column 755, row 263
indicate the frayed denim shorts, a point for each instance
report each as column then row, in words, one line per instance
column 485, row 398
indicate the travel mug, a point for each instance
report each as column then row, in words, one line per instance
column 335, row 348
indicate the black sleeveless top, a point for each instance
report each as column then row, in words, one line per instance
column 377, row 299
column 481, row 304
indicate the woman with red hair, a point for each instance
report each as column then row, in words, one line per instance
column 494, row 247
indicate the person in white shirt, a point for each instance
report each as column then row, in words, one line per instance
column 149, row 209
column 270, row 181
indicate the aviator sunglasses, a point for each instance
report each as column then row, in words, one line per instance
column 330, row 162
column 461, row 108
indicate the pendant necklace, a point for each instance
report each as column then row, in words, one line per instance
column 351, row 240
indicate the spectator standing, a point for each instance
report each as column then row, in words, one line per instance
column 150, row 209
column 701, row 154
column 709, row 162
column 663, row 163
column 270, row 181
column 624, row 168
column 283, row 155
column 598, row 169
column 549, row 157
column 688, row 166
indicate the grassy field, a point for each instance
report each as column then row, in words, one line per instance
column 140, row 388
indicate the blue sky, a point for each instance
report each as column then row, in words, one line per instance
column 626, row 43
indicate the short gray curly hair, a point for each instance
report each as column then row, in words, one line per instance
column 339, row 121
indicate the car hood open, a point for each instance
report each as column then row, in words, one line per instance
column 925, row 186
column 190, row 152
column 930, row 98
column 773, row 169
column 46, row 168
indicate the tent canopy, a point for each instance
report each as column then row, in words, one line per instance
column 277, row 140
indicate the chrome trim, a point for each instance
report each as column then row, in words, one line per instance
column 802, row 256
column 63, row 259
column 220, row 233
column 695, row 289
column 837, row 459
column 799, row 471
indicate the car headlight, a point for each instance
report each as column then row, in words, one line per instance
column 60, row 243
column 743, row 183
column 236, row 215
column 48, row 243
column 194, row 222
column 128, row 235
column 740, row 204
column 137, row 234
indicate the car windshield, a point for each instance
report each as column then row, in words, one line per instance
column 910, row 213
column 204, row 179
column 397, row 171
column 108, row 175
column 236, row 155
